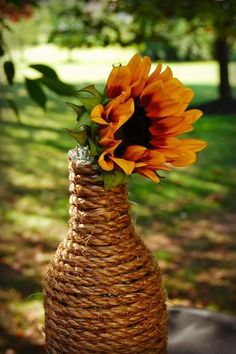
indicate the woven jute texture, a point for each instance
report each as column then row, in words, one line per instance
column 103, row 291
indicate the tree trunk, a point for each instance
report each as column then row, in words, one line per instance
column 222, row 55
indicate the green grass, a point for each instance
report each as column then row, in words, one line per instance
column 208, row 186
column 186, row 220
column 35, row 155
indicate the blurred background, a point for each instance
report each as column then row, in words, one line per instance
column 48, row 48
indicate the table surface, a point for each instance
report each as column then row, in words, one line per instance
column 195, row 331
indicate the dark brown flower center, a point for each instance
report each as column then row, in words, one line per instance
column 134, row 132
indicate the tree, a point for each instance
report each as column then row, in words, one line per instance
column 217, row 16
column 166, row 26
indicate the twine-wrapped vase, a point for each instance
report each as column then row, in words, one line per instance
column 103, row 291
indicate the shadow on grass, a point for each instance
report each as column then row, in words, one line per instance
column 12, row 278
column 198, row 257
column 204, row 94
column 10, row 343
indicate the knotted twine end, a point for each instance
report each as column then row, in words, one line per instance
column 81, row 155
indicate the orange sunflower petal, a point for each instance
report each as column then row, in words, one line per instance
column 193, row 144
column 137, row 87
column 168, row 142
column 145, row 67
column 96, row 114
column 174, row 88
column 155, row 75
column 123, row 112
column 99, row 120
column 124, row 95
column 135, row 152
column 118, row 81
column 186, row 158
column 139, row 67
column 192, row 115
column 114, row 103
column 166, row 74
column 150, row 92
column 175, row 126
column 170, row 126
column 139, row 70
column 148, row 173
column 170, row 155
column 181, row 109
column 105, row 163
column 155, row 158
column 127, row 166
column 107, row 135
column 162, row 109
column 134, row 66
column 187, row 95
column 105, row 159
column 140, row 164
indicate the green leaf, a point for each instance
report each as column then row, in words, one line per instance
column 58, row 86
column 35, row 91
column 78, row 109
column 84, row 120
column 15, row 109
column 91, row 89
column 92, row 147
column 36, row 296
column 88, row 102
column 9, row 70
column 100, row 178
column 45, row 70
column 114, row 178
column 108, row 178
column 1, row 50
column 2, row 45
column 105, row 100
column 80, row 136
column 94, row 128
column 51, row 80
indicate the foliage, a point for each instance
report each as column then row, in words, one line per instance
column 166, row 30
column 173, row 31
column 87, row 23
column 15, row 10
column 212, row 15
column 217, row 17
column 175, row 40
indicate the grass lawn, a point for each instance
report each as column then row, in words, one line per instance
column 188, row 220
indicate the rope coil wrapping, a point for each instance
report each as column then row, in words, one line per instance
column 103, row 291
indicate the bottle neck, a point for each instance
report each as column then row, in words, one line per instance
column 90, row 203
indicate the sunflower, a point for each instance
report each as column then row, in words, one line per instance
column 141, row 119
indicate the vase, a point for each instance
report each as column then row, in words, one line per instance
column 103, row 291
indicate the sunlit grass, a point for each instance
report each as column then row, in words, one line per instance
column 93, row 65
